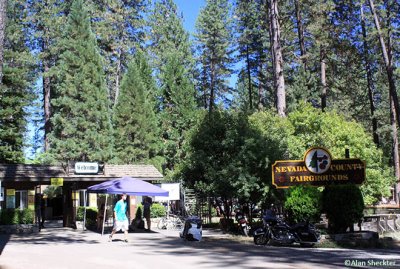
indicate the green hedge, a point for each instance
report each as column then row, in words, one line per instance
column 91, row 215
column 156, row 211
column 343, row 205
column 303, row 203
column 16, row 216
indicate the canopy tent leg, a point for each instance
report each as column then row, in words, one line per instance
column 84, row 215
column 104, row 216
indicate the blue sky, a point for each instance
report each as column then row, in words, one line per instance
column 190, row 10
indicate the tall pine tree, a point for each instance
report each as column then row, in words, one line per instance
column 46, row 20
column 81, row 120
column 15, row 89
column 252, row 48
column 173, row 62
column 214, row 48
column 134, row 121
column 119, row 28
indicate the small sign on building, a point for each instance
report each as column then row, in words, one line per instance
column 86, row 168
column 10, row 192
column 57, row 181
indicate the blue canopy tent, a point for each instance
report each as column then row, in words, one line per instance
column 128, row 185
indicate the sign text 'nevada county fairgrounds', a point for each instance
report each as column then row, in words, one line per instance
column 318, row 169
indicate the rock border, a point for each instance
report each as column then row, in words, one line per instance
column 19, row 229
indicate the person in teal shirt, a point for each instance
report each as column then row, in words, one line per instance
column 120, row 218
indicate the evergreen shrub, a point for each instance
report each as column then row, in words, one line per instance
column 91, row 215
column 157, row 210
column 303, row 204
column 343, row 205
column 16, row 216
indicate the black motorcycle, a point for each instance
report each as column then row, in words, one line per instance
column 276, row 230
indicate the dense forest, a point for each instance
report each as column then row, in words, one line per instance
column 259, row 80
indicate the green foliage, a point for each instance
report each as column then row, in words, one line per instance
column 91, row 215
column 230, row 155
column 332, row 131
column 178, row 111
column 270, row 141
column 26, row 216
column 303, row 204
column 16, row 216
column 214, row 47
column 343, row 205
column 172, row 60
column 168, row 38
column 15, row 87
column 135, row 137
column 253, row 42
column 120, row 29
column 52, row 191
column 81, row 117
column 225, row 159
column 157, row 210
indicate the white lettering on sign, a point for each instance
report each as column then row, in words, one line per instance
column 86, row 168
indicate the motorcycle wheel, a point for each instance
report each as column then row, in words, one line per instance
column 245, row 231
column 260, row 240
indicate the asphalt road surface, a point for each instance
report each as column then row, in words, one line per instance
column 67, row 248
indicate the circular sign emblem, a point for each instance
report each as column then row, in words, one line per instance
column 317, row 160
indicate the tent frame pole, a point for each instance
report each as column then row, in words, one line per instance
column 84, row 215
column 104, row 216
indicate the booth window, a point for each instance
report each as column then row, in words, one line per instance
column 21, row 199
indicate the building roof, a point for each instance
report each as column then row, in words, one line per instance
column 31, row 172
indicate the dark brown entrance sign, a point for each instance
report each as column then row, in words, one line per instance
column 340, row 171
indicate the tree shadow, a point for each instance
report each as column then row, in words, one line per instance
column 49, row 236
column 4, row 238
column 228, row 253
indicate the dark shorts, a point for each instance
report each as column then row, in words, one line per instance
column 146, row 214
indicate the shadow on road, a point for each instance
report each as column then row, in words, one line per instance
column 228, row 253
column 3, row 241
column 48, row 236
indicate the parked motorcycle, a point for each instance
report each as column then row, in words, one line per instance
column 243, row 224
column 276, row 230
column 192, row 231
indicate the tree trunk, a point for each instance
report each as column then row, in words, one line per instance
column 388, row 64
column 370, row 83
column 395, row 138
column 300, row 33
column 324, row 86
column 249, row 78
column 3, row 18
column 395, row 148
column 261, row 86
column 46, row 89
column 212, row 85
column 46, row 105
column 117, row 77
column 278, row 59
column 205, row 87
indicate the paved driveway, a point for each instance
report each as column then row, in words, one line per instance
column 67, row 248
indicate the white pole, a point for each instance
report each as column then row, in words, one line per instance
column 84, row 215
column 104, row 216
column 168, row 208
